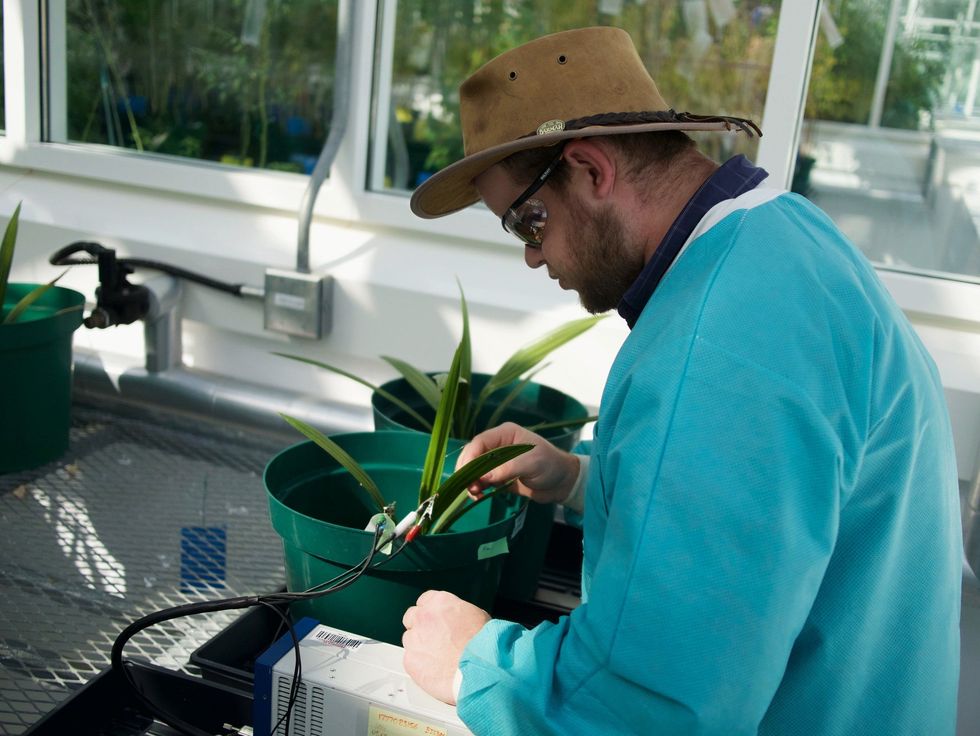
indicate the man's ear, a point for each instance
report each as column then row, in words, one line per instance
column 592, row 167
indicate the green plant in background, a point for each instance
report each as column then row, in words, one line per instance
column 444, row 501
column 244, row 82
column 441, row 42
column 6, row 261
column 514, row 375
column 842, row 81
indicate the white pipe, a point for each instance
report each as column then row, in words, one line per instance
column 237, row 404
column 338, row 126
column 386, row 55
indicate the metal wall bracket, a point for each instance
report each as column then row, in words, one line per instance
column 299, row 304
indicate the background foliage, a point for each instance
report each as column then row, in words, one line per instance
column 699, row 64
column 249, row 82
column 245, row 82
column 843, row 79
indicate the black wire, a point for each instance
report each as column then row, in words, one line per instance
column 297, row 673
column 61, row 258
column 234, row 289
column 226, row 604
column 159, row 617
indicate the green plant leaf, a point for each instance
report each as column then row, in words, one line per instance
column 28, row 299
column 464, row 404
column 7, row 252
column 458, row 508
column 435, row 456
column 529, row 356
column 455, row 485
column 73, row 308
column 339, row 454
column 381, row 392
column 423, row 385
column 562, row 423
column 494, row 419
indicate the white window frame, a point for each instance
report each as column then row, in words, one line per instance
column 346, row 197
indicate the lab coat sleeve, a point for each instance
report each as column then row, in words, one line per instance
column 573, row 511
column 708, row 535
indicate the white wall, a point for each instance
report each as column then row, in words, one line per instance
column 395, row 291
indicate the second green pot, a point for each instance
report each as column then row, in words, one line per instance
column 536, row 404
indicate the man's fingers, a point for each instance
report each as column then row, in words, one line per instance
column 428, row 596
column 408, row 620
column 506, row 434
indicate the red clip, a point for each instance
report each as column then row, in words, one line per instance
column 412, row 533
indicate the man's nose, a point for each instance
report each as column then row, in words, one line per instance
column 533, row 257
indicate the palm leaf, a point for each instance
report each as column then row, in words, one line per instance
column 423, row 385
column 454, row 486
column 435, row 456
column 7, row 252
column 341, row 456
column 563, row 423
column 509, row 399
column 28, row 299
column 456, row 509
column 380, row 391
column 73, row 308
column 463, row 402
column 529, row 356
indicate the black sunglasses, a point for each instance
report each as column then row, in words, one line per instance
column 526, row 217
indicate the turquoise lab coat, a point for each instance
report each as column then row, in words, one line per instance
column 771, row 526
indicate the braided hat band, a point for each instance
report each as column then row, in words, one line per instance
column 660, row 116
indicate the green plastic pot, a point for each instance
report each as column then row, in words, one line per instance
column 536, row 404
column 35, row 377
column 320, row 512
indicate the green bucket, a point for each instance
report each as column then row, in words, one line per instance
column 535, row 404
column 320, row 512
column 35, row 377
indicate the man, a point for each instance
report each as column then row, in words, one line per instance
column 770, row 507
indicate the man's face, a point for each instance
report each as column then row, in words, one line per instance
column 586, row 248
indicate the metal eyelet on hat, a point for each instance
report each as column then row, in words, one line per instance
column 562, row 59
column 513, row 76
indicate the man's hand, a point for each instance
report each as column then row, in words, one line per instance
column 437, row 629
column 544, row 474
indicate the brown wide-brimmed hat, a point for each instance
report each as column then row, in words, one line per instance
column 573, row 84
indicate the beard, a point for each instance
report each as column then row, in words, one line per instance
column 608, row 259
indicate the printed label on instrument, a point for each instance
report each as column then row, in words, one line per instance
column 338, row 640
column 388, row 723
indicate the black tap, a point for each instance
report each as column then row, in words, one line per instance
column 118, row 302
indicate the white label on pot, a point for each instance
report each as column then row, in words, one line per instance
column 519, row 523
column 492, row 549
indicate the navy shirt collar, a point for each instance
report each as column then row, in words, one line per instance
column 736, row 176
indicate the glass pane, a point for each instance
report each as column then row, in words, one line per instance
column 241, row 82
column 706, row 56
column 890, row 146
